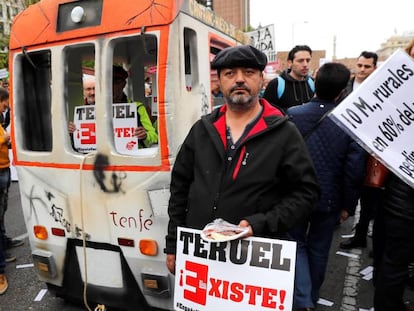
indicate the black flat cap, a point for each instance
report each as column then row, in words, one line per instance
column 240, row 56
column 119, row 73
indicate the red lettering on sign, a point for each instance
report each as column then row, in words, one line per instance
column 124, row 131
column 198, row 282
column 87, row 133
column 195, row 279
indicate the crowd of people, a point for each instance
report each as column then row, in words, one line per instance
column 6, row 242
column 272, row 162
column 271, row 201
column 146, row 130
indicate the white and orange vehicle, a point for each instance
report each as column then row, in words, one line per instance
column 97, row 221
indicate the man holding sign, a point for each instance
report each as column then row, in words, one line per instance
column 130, row 120
column 244, row 162
column 380, row 114
column 145, row 131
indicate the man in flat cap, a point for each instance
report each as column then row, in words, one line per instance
column 244, row 162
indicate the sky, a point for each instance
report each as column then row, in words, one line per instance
column 357, row 25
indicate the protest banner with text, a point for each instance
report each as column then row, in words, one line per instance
column 380, row 115
column 124, row 123
column 243, row 274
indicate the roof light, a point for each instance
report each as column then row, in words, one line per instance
column 77, row 15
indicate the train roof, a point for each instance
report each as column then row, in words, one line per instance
column 77, row 19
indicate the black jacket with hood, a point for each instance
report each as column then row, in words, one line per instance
column 295, row 93
column 270, row 181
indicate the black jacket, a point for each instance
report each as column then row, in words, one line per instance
column 338, row 159
column 399, row 198
column 296, row 92
column 270, row 181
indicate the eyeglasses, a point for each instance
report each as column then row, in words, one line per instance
column 365, row 66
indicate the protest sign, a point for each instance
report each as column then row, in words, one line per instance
column 380, row 115
column 124, row 124
column 84, row 137
column 263, row 39
column 245, row 275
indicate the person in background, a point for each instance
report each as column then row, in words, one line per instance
column 88, row 83
column 392, row 273
column 364, row 67
column 4, row 139
column 216, row 95
column 89, row 89
column 339, row 163
column 215, row 90
column 3, row 279
column 247, row 154
column 5, row 180
column 145, row 131
column 370, row 197
column 297, row 89
column 395, row 249
column 5, row 84
column 5, row 116
column 409, row 49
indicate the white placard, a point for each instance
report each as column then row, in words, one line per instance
column 245, row 275
column 124, row 123
column 380, row 115
column 263, row 39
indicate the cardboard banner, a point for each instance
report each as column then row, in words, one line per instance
column 380, row 115
column 263, row 39
column 244, row 275
column 124, row 123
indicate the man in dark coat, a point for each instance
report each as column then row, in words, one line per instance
column 244, row 162
column 340, row 167
column 392, row 272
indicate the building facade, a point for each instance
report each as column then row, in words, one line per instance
column 394, row 43
column 236, row 12
column 8, row 10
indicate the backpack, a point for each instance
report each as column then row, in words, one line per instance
column 281, row 86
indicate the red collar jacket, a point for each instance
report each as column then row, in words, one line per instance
column 270, row 181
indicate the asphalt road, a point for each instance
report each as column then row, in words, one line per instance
column 348, row 284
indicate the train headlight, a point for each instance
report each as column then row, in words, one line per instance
column 77, row 15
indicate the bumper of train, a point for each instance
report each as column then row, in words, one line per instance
column 109, row 277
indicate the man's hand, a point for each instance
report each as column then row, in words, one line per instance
column 71, row 127
column 140, row 133
column 6, row 137
column 171, row 263
column 243, row 224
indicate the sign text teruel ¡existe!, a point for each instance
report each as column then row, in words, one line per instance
column 262, row 255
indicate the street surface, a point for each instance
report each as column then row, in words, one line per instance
column 348, row 284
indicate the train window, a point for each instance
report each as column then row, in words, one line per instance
column 190, row 58
column 32, row 101
column 134, row 94
column 80, row 92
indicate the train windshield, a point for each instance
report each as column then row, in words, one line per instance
column 115, row 101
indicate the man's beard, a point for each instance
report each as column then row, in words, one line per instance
column 241, row 102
